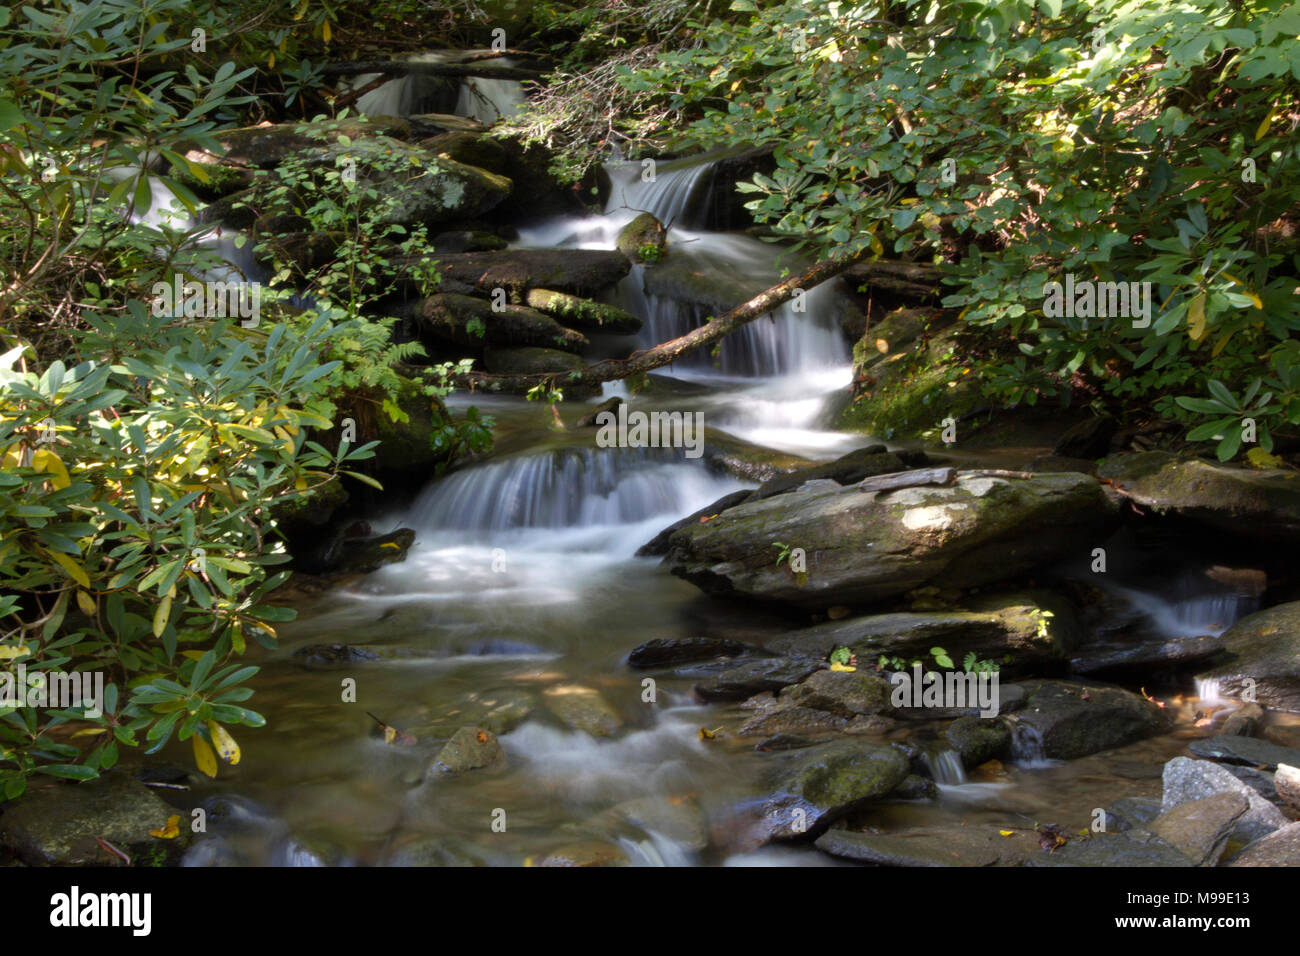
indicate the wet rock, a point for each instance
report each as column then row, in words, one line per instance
column 1264, row 648
column 1280, row 848
column 929, row 846
column 467, row 240
column 782, row 719
column 590, row 419
column 1132, row 848
column 56, row 823
column 667, row 652
column 780, row 742
column 363, row 555
column 1186, row 780
column 1074, row 720
column 1200, row 828
column 1237, row 501
column 470, row 748
column 584, row 314
column 1088, row 439
column 978, row 740
column 678, row 820
column 516, row 361
column 844, row 693
column 269, row 145
column 583, row 708
column 754, row 677
column 576, row 271
column 331, row 655
column 863, row 547
column 1287, row 783
column 1111, row 655
column 745, row 461
column 813, row 788
column 1243, row 722
column 507, row 710
column 1245, row 750
column 916, row 787
column 1261, row 781
column 474, row 323
column 585, row 853
column 847, row 470
column 439, row 851
column 471, row 148
column 642, row 234
column 658, row 545
column 1127, row 813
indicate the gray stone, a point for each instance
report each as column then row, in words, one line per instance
column 1074, row 720
column 1250, row 751
column 1186, row 780
column 470, row 748
column 974, row 845
column 1132, row 848
column 583, row 708
column 1200, row 828
column 978, row 740
column 1287, row 783
column 812, row 788
column 1280, row 848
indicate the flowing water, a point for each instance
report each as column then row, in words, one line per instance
column 523, row 590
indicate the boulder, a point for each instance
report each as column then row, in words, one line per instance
column 56, row 823
column 362, row 555
column 847, row 470
column 1088, row 439
column 470, row 748
column 668, row 652
column 530, row 360
column 576, row 271
column 643, row 234
column 467, row 240
column 978, row 740
column 583, row 708
column 1186, row 780
column 1132, row 848
column 1249, row 751
column 1263, row 649
column 1074, row 720
column 1127, row 813
column 811, row 789
column 753, row 677
column 268, row 145
column 1236, row 501
column 582, row 313
column 1200, row 828
column 474, row 323
column 658, row 545
column 863, row 547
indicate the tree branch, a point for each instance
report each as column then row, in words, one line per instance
column 405, row 68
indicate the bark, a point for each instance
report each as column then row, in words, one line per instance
column 667, row 352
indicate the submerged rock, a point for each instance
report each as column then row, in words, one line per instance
column 666, row 652
column 863, row 547
column 1263, row 649
column 470, row 748
column 585, row 853
column 813, row 788
column 56, row 823
column 1074, row 720
column 583, row 708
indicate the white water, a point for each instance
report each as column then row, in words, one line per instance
column 1192, row 616
column 485, row 100
column 945, row 767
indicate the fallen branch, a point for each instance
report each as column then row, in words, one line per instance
column 667, row 352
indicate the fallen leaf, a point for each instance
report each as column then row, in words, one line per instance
column 169, row 830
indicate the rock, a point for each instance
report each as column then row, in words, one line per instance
column 975, row 845
column 1187, row 780
column 268, row 145
column 1105, row 656
column 753, row 677
column 583, row 708
column 330, row 655
column 845, row 693
column 437, row 851
column 642, row 234
column 1264, row 648
column 658, row 545
column 1280, row 848
column 1243, row 722
column 781, row 742
column 916, row 787
column 470, row 748
column 55, row 823
column 363, row 555
column 1236, row 501
column 862, row 548
column 777, row 719
column 519, row 361
column 471, row 148
column 813, row 788
column 467, row 240
column 1132, row 848
column 1088, row 439
column 744, row 460
column 590, row 419
column 978, row 740
column 475, row 323
column 667, row 652
column 1071, row 726
column 1200, row 828
column 679, row 821
column 1261, row 781
column 1018, row 629
column 848, row 470
column 585, row 853
column 1245, row 750
column 576, row 271
column 583, row 314
column 505, row 716
column 1287, row 783
column 1128, row 813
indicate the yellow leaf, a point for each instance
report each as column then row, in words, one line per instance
column 237, row 639
column 1007, row 832
column 1196, row 318
column 74, row 570
column 91, row 732
column 390, row 734
column 708, row 734
column 842, row 668
column 270, row 61
column 1262, row 131
column 169, row 830
column 227, row 749
column 882, row 346
column 325, row 32
column 1259, row 458
column 193, row 655
column 161, row 615
column 48, row 461
column 86, row 603
column 11, row 650
column 204, row 758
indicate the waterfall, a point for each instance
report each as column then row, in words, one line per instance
column 1027, row 746
column 483, row 99
column 677, row 195
column 1189, row 611
column 945, row 767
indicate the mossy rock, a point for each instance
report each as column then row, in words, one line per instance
column 643, row 239
column 583, row 314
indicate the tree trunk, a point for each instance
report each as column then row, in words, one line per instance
column 667, row 352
